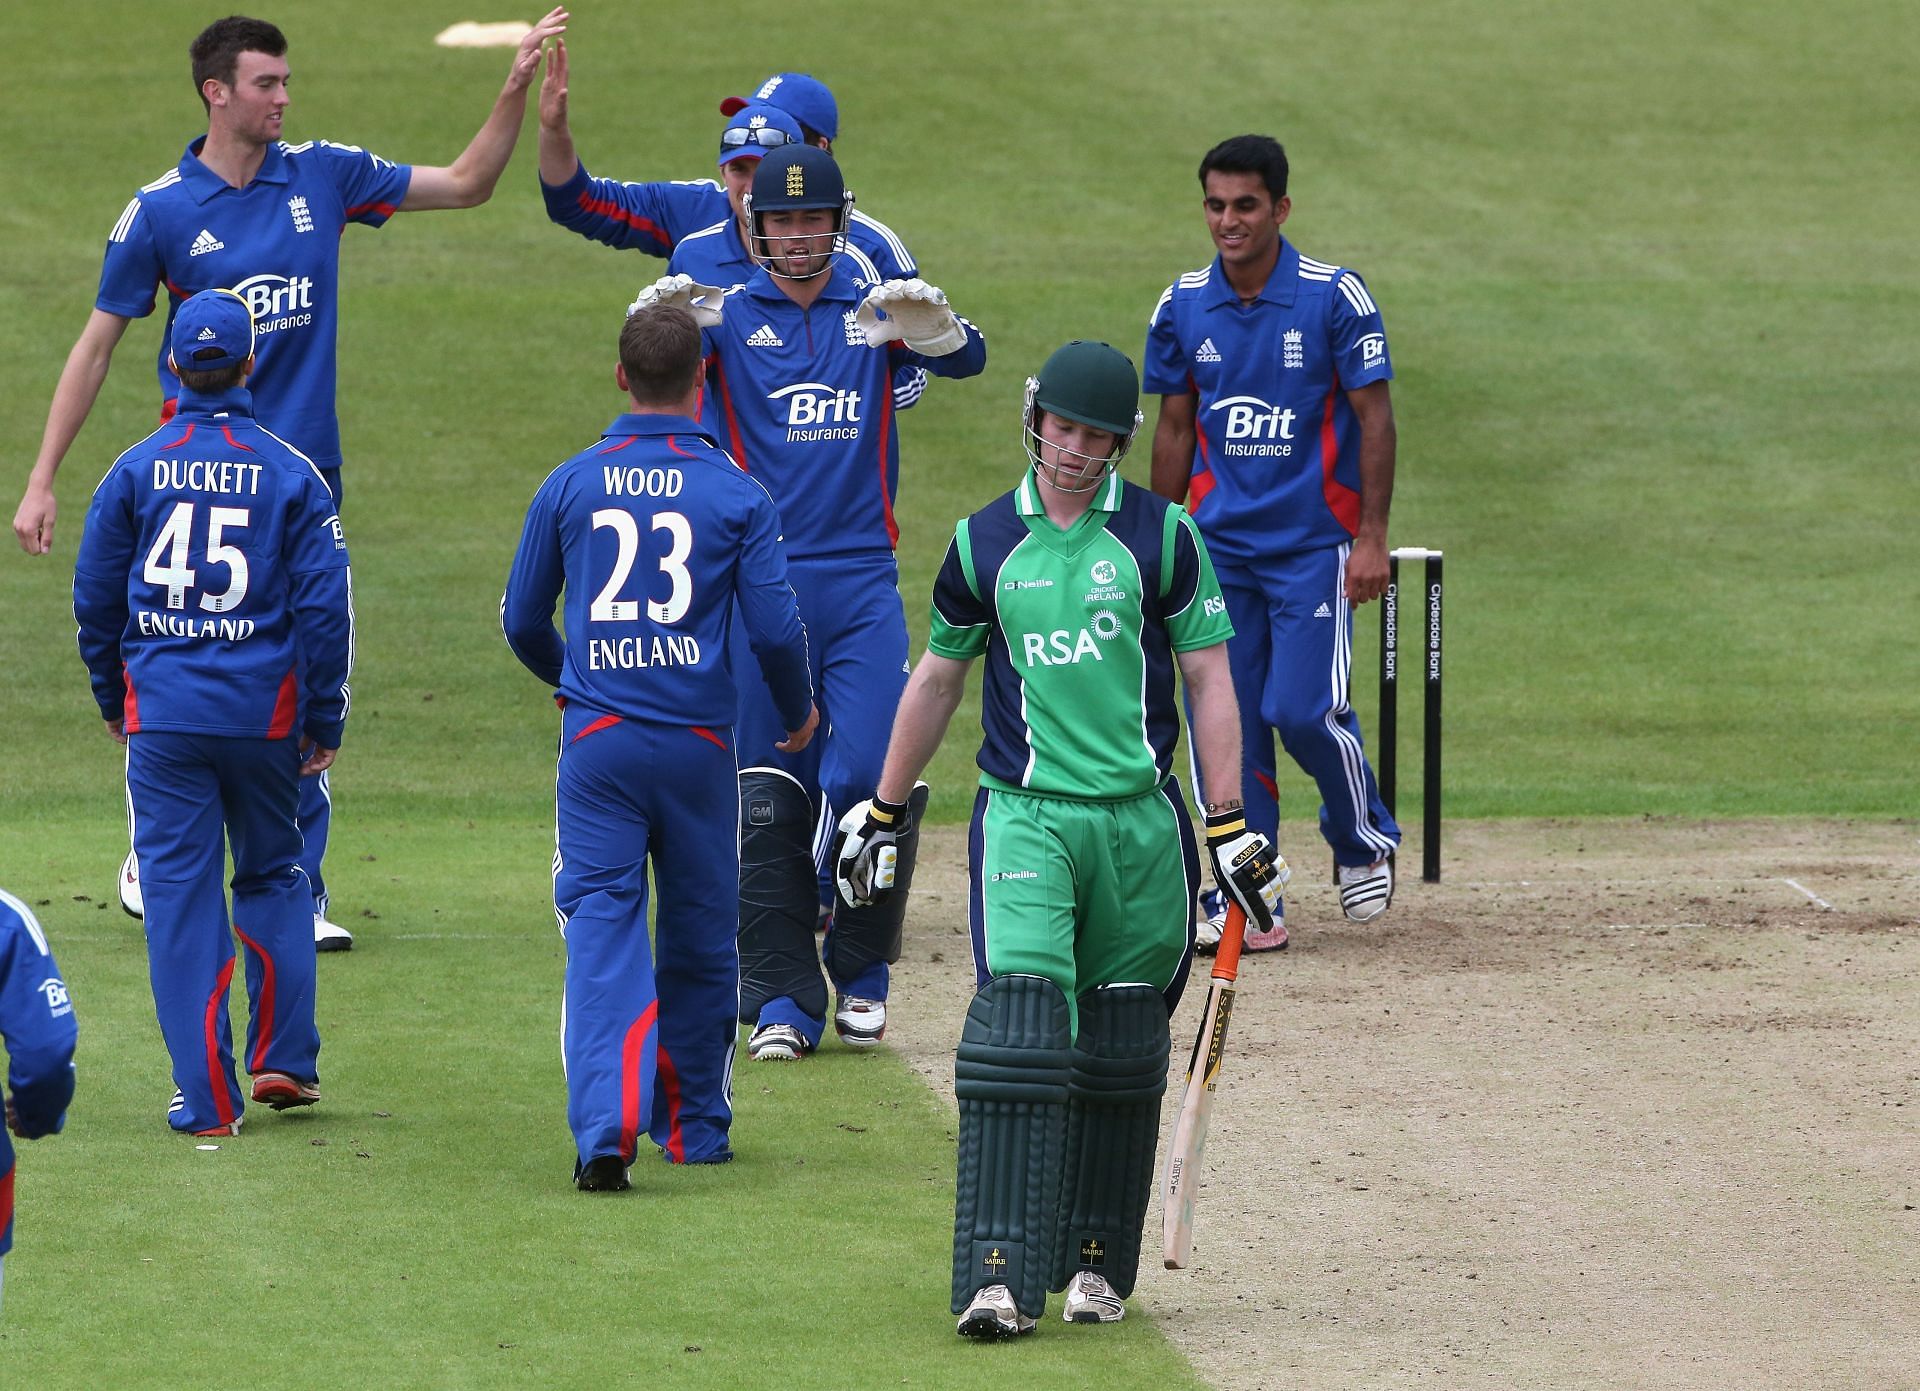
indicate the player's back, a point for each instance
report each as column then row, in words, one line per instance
column 658, row 533
column 196, row 540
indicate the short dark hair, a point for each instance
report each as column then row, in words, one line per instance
column 1249, row 154
column 216, row 53
column 214, row 380
column 660, row 348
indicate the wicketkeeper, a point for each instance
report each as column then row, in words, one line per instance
column 1083, row 593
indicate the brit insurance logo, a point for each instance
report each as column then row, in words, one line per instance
column 58, row 1002
column 1373, row 350
column 1256, row 427
column 816, row 411
column 277, row 301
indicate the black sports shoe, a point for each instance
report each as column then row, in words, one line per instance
column 605, row 1174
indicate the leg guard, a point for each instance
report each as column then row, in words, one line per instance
column 1113, row 1127
column 776, row 896
column 861, row 937
column 1010, row 1075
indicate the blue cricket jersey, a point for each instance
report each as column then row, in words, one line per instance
column 657, row 217
column 804, row 405
column 276, row 243
column 36, row 1020
column 1278, row 444
column 211, row 588
column 716, row 256
column 654, row 534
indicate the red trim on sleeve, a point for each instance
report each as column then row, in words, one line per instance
column 234, row 442
column 262, row 1007
column 708, row 735
column 216, row 1071
column 886, row 498
column 632, row 1050
column 177, row 292
column 717, row 376
column 669, row 1080
column 1342, row 501
column 1198, row 487
column 606, row 207
column 384, row 209
column 285, row 705
column 6, row 1199
column 604, row 722
column 130, row 707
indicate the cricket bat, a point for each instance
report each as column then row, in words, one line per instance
column 1196, row 1099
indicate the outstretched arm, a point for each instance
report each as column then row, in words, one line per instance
column 73, row 398
column 558, row 158
column 469, row 180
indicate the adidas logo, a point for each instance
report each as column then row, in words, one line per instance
column 204, row 243
column 205, row 334
column 1323, row 612
column 764, row 337
column 1207, row 352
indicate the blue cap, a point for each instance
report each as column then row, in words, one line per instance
column 749, row 120
column 804, row 97
column 212, row 330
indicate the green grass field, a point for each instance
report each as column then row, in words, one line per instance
column 1650, row 279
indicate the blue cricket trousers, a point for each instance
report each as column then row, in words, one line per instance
column 186, row 791
column 647, row 1037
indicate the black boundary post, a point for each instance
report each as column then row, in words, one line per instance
column 1389, row 718
column 1430, row 801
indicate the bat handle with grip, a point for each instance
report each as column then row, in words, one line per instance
column 1226, row 956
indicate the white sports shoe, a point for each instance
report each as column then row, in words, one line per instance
column 861, row 1023
column 1206, row 933
column 330, row 936
column 776, row 1043
column 991, row 1314
column 1090, row 1299
column 131, row 900
column 1366, row 890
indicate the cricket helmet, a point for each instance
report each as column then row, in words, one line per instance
column 796, row 178
column 1094, row 384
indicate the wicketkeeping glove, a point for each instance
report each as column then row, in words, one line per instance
column 1246, row 867
column 704, row 302
column 870, row 851
column 916, row 312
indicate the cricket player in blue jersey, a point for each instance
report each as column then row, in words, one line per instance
column 798, row 367
column 248, row 211
column 658, row 541
column 1276, row 429
column 699, row 224
column 215, row 611
column 38, row 1027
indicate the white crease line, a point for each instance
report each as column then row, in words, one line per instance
column 1795, row 883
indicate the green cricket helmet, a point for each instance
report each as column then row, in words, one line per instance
column 1094, row 384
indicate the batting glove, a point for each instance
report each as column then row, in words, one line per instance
column 869, row 851
column 916, row 312
column 1246, row 867
column 704, row 302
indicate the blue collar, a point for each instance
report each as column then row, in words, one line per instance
column 840, row 285
column 203, row 183
column 655, row 424
column 1280, row 288
column 234, row 401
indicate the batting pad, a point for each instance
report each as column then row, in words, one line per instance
column 1119, row 1075
column 470, row 33
column 1010, row 1075
column 777, row 889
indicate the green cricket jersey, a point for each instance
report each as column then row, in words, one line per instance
column 1079, row 628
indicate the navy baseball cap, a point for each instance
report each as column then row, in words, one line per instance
column 804, row 97
column 214, row 329
column 756, row 129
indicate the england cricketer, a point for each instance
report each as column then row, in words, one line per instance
column 657, row 539
column 38, row 1027
column 798, row 365
column 1083, row 593
column 215, row 609
column 1276, row 430
column 247, row 210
